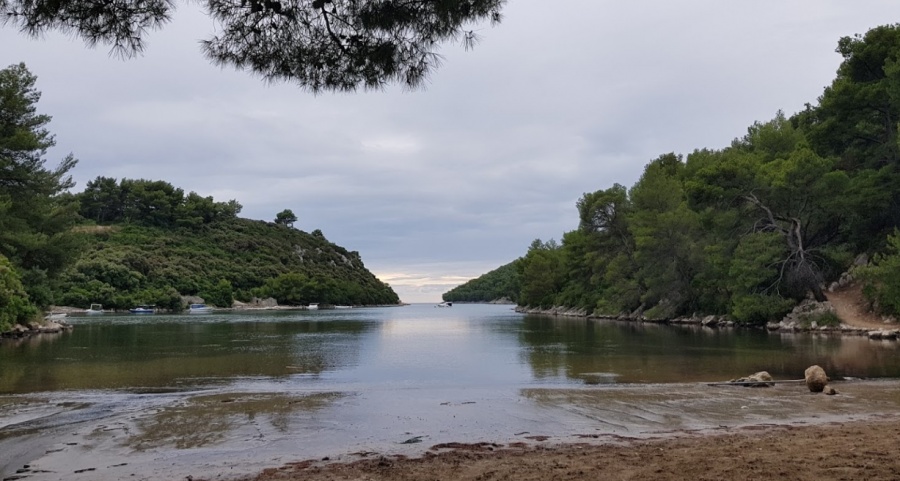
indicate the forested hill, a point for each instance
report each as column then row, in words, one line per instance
column 500, row 283
column 149, row 243
column 751, row 229
column 127, row 242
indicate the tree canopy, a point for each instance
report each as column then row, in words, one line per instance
column 753, row 228
column 36, row 215
column 334, row 45
column 286, row 217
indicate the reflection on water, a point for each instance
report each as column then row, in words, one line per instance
column 204, row 420
column 603, row 351
column 468, row 345
column 118, row 352
column 153, row 397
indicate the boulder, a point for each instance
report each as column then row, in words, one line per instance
column 829, row 390
column 815, row 378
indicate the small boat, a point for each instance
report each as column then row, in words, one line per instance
column 199, row 309
column 143, row 309
column 343, row 307
column 313, row 306
column 95, row 309
column 445, row 304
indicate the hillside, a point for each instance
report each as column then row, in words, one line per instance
column 750, row 229
column 124, row 265
column 146, row 242
column 500, row 283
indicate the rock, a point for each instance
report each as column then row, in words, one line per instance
column 815, row 378
column 761, row 378
column 269, row 302
column 50, row 327
column 829, row 390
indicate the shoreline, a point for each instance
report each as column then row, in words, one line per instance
column 837, row 450
column 162, row 437
column 722, row 322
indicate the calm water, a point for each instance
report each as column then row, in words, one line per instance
column 163, row 396
column 421, row 345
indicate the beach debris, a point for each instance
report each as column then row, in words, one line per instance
column 816, row 380
column 413, row 440
column 759, row 379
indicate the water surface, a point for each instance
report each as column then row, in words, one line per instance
column 136, row 396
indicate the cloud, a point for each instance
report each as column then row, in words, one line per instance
column 433, row 187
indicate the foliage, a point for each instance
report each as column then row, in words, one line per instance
column 750, row 229
column 500, row 283
column 541, row 274
column 134, row 263
column 286, row 217
column 15, row 306
column 219, row 295
column 882, row 277
column 151, row 203
column 820, row 318
column 338, row 45
column 36, row 214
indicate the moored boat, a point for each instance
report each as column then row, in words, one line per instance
column 199, row 309
column 143, row 309
column 95, row 309
column 313, row 306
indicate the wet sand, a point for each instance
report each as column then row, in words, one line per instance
column 837, row 451
column 619, row 431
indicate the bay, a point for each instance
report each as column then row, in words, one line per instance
column 237, row 391
column 466, row 345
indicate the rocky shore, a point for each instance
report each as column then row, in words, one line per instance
column 48, row 326
column 808, row 316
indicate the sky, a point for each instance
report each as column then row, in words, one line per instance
column 437, row 186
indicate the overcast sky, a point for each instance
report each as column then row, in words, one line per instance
column 438, row 186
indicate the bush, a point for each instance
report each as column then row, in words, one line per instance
column 15, row 307
column 759, row 309
column 821, row 318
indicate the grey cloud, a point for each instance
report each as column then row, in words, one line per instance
column 440, row 185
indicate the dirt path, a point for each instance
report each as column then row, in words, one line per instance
column 852, row 307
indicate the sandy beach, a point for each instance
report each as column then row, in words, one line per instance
column 836, row 451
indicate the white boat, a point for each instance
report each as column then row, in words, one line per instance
column 343, row 307
column 445, row 304
column 199, row 309
column 143, row 309
column 95, row 309
column 313, row 306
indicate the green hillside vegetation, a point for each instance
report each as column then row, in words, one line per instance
column 750, row 229
column 500, row 283
column 126, row 242
column 159, row 244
